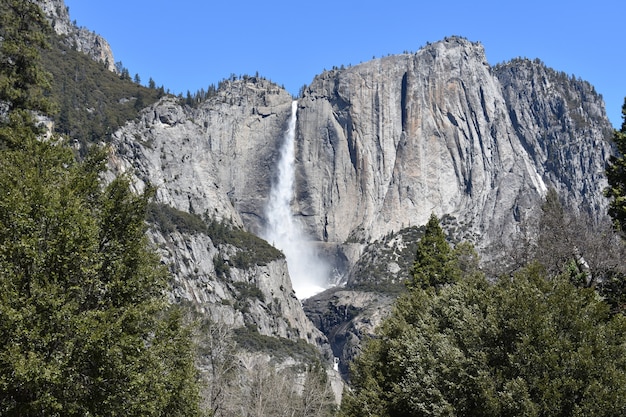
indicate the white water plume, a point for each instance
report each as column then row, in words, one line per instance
column 309, row 274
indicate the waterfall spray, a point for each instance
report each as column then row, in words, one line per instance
column 309, row 274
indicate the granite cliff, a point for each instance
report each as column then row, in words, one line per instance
column 385, row 143
column 80, row 38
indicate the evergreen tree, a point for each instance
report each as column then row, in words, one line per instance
column 616, row 175
column 23, row 82
column 434, row 263
column 555, row 248
column 84, row 325
column 531, row 345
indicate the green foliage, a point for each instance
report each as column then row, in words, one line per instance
column 613, row 291
column 170, row 219
column 616, row 175
column 252, row 249
column 222, row 269
column 530, row 345
column 250, row 339
column 23, row 82
column 23, row 29
column 248, row 291
column 555, row 245
column 384, row 287
column 386, row 264
column 202, row 95
column 84, row 327
column 434, row 264
column 93, row 101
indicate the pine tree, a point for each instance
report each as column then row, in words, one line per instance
column 434, row 263
column 23, row 82
column 616, row 175
column 85, row 328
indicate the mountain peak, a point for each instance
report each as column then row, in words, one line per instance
column 82, row 39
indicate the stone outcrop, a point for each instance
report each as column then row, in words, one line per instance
column 82, row 39
column 259, row 295
column 346, row 317
column 216, row 159
column 58, row 15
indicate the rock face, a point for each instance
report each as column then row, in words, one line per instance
column 82, row 39
column 385, row 143
column 346, row 317
column 216, row 159
column 561, row 123
column 215, row 162
column 256, row 295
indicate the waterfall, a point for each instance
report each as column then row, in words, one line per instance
column 309, row 274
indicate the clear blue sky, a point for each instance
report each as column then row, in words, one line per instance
column 189, row 44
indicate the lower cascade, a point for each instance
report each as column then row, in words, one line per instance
column 309, row 273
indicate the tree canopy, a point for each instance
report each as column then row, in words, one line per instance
column 531, row 344
column 434, row 263
column 85, row 328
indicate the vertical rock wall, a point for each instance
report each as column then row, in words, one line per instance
column 385, row 143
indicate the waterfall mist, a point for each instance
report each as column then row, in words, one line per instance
column 309, row 273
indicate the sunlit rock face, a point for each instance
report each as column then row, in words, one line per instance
column 217, row 159
column 384, row 144
column 561, row 122
column 80, row 38
column 259, row 295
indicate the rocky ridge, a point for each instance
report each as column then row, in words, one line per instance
column 80, row 38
